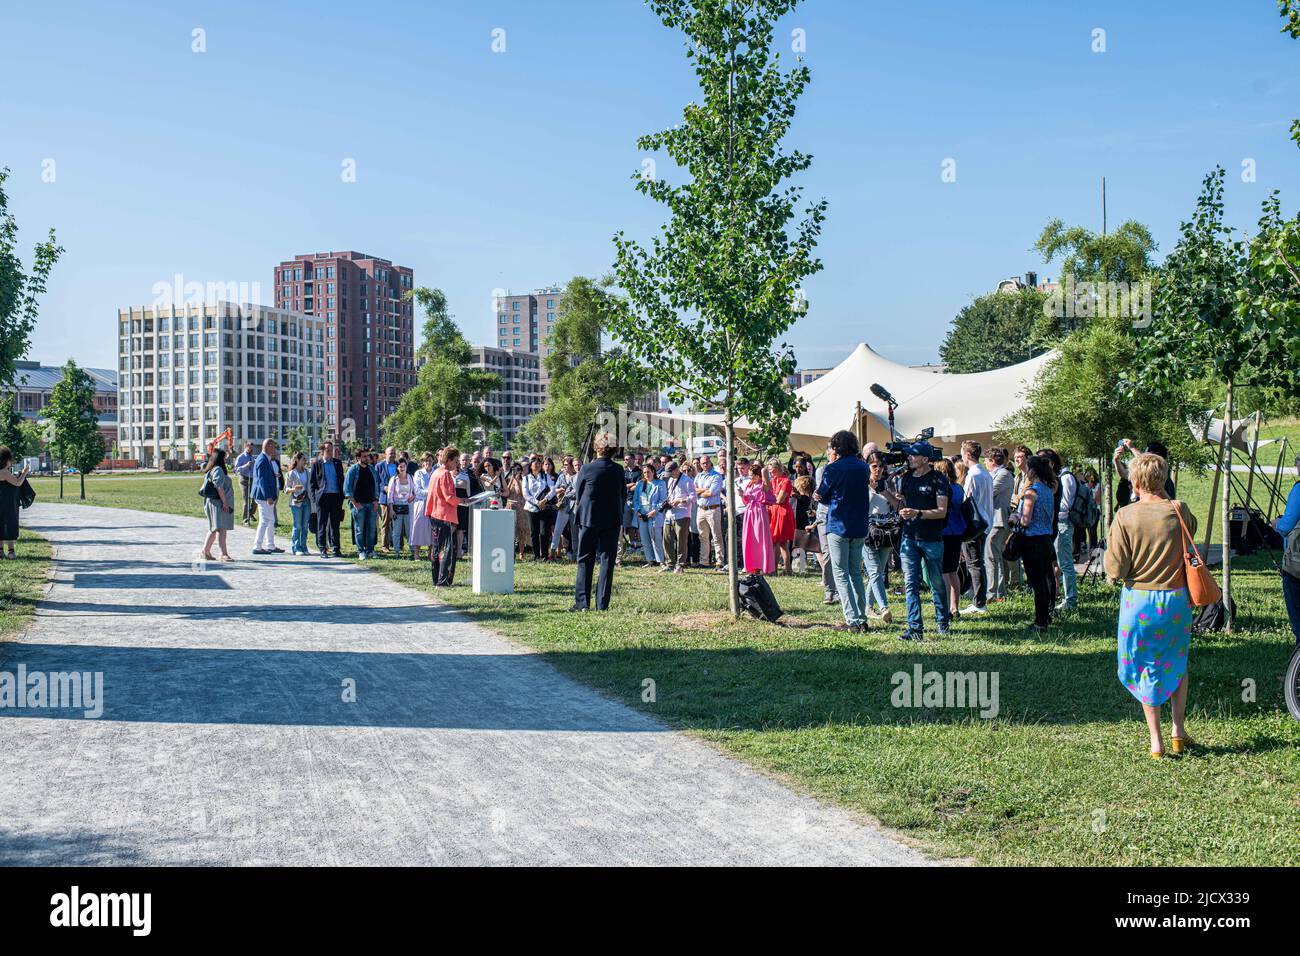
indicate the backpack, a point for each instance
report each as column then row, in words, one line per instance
column 1211, row 618
column 1291, row 553
column 1082, row 506
column 1094, row 506
column 975, row 523
column 757, row 598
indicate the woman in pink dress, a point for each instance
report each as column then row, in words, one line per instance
column 760, row 554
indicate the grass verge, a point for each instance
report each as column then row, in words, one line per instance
column 22, row 582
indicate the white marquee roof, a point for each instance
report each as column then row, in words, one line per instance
column 957, row 406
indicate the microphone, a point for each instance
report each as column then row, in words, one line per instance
column 880, row 393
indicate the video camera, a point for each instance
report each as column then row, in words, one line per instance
column 897, row 450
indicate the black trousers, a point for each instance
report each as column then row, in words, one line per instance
column 1039, row 555
column 329, row 516
column 443, row 551
column 973, row 552
column 541, row 524
column 593, row 544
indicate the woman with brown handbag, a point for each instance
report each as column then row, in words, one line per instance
column 1150, row 551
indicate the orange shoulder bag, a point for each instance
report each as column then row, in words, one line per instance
column 1201, row 586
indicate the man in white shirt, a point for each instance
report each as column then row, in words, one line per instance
column 979, row 489
column 677, row 529
column 1065, row 540
column 709, row 485
column 995, row 566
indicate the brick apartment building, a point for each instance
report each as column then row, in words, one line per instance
column 34, row 383
column 370, row 333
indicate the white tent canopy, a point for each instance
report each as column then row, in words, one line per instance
column 956, row 406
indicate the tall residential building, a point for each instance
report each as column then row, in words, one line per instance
column 187, row 373
column 520, row 395
column 527, row 321
column 369, row 332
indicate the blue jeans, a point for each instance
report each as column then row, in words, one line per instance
column 1291, row 595
column 301, row 518
column 876, row 560
column 363, row 528
column 1065, row 558
column 913, row 553
column 846, row 568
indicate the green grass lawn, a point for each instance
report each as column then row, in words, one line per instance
column 1061, row 775
column 22, row 582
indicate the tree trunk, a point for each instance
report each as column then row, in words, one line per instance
column 63, row 466
column 729, row 482
column 1227, row 486
column 1214, row 494
column 82, row 476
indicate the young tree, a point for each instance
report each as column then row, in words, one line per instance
column 584, row 377
column 74, row 436
column 1080, row 404
column 994, row 331
column 12, row 430
column 19, row 290
column 442, row 408
column 298, row 439
column 721, row 283
column 1227, row 309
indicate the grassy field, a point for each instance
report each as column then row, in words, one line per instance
column 1059, row 776
column 170, row 494
column 22, row 582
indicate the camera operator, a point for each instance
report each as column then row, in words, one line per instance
column 923, row 506
column 881, row 532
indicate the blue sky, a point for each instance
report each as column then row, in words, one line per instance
column 483, row 170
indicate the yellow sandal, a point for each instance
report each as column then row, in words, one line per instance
column 1181, row 745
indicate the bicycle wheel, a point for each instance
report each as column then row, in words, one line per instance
column 1291, row 685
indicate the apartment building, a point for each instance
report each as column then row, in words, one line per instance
column 187, row 373
column 520, row 395
column 34, row 383
column 369, row 332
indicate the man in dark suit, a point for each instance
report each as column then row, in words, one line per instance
column 598, row 496
column 325, row 489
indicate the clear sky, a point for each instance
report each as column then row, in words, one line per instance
column 485, row 170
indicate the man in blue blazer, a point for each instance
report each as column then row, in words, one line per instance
column 266, row 489
column 599, row 493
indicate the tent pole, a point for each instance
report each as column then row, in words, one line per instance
column 1276, row 486
column 1254, row 451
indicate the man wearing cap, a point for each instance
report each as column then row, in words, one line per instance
column 677, row 529
column 923, row 500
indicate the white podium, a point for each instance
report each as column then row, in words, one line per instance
column 494, row 550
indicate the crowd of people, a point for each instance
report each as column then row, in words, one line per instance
column 969, row 528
